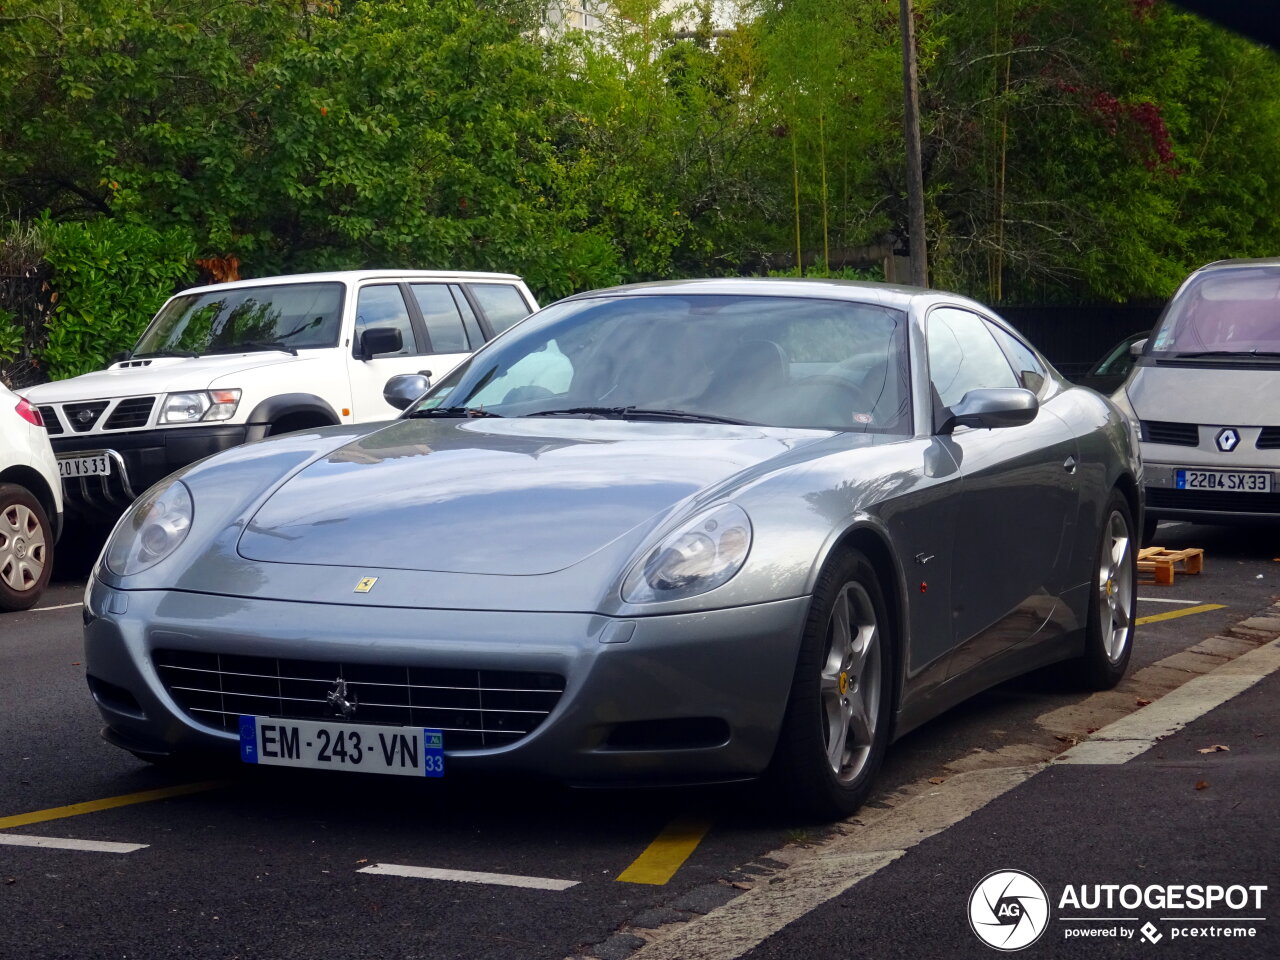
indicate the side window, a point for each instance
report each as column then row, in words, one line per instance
column 963, row 356
column 440, row 313
column 1031, row 372
column 501, row 304
column 474, row 333
column 383, row 306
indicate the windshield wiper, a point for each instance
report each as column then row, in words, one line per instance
column 464, row 412
column 249, row 346
column 1243, row 354
column 637, row 413
column 163, row 353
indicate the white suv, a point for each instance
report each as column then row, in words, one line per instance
column 30, row 503
column 225, row 364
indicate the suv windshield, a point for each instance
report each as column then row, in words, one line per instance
column 289, row 316
column 770, row 360
column 1227, row 312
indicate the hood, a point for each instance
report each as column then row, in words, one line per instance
column 159, row 375
column 492, row 496
column 1238, row 395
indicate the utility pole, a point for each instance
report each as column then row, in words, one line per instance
column 911, row 128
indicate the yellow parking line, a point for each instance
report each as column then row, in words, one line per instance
column 662, row 858
column 1174, row 614
column 108, row 803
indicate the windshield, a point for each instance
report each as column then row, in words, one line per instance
column 292, row 316
column 1232, row 311
column 771, row 360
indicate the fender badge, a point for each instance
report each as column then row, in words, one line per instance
column 365, row 584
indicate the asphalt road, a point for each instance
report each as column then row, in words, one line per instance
column 262, row 863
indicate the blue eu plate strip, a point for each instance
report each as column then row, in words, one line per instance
column 249, row 739
column 432, row 753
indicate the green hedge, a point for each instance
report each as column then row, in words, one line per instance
column 109, row 278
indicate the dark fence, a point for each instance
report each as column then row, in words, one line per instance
column 28, row 299
column 1073, row 338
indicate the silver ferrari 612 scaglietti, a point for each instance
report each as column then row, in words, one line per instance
column 680, row 532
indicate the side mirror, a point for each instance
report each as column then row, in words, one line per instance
column 379, row 340
column 1136, row 348
column 121, row 355
column 992, row 408
column 402, row 390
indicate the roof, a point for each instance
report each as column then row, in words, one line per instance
column 354, row 276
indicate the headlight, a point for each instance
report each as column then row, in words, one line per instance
column 701, row 555
column 153, row 528
column 200, row 405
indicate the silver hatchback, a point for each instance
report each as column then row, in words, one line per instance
column 1205, row 392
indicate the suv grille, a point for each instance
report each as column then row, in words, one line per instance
column 475, row 708
column 1179, row 434
column 82, row 416
column 133, row 412
column 51, row 422
column 1269, row 438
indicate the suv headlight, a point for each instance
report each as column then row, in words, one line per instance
column 153, row 528
column 200, row 405
column 699, row 556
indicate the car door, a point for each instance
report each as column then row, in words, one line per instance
column 381, row 305
column 1015, row 501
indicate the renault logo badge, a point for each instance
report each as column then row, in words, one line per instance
column 365, row 584
column 1228, row 439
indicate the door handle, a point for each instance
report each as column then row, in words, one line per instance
column 1069, row 465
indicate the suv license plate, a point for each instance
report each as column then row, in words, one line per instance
column 98, row 465
column 1226, row 481
column 358, row 747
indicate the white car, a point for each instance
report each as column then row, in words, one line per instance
column 222, row 365
column 30, row 503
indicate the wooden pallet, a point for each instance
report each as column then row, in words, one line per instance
column 1157, row 563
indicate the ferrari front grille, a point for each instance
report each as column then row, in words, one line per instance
column 475, row 708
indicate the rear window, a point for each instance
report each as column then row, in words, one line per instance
column 502, row 304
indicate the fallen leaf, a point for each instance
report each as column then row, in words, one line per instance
column 1065, row 739
column 363, row 860
column 10, row 881
column 1142, row 702
column 1092, row 730
column 1216, row 748
column 937, row 779
column 741, row 886
column 1202, row 785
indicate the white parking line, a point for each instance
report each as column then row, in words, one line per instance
column 62, row 843
column 65, row 606
column 1135, row 734
column 1165, row 600
column 467, row 876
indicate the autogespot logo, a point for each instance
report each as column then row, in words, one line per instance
column 1008, row 910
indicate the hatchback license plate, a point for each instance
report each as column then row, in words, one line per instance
column 1227, row 481
column 98, row 465
column 361, row 747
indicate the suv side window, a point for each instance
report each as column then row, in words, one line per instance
column 440, row 314
column 963, row 356
column 501, row 304
column 383, row 305
column 1030, row 371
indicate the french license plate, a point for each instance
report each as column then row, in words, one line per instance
column 321, row 745
column 1230, row 481
column 98, row 465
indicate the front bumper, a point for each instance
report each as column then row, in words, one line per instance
column 639, row 695
column 1164, row 501
column 139, row 459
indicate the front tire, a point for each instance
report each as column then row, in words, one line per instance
column 837, row 723
column 1113, row 599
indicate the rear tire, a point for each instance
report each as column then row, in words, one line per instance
column 26, row 548
column 836, row 728
column 1113, row 600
